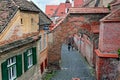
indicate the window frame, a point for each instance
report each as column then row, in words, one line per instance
column 11, row 65
column 30, row 58
column 45, row 40
column 21, row 21
column 40, row 45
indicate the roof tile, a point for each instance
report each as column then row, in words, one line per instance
column 50, row 9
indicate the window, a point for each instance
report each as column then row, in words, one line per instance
column 21, row 21
column 40, row 45
column 11, row 68
column 45, row 40
column 30, row 58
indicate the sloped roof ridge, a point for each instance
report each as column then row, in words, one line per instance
column 112, row 17
column 89, row 10
column 115, row 2
column 59, row 22
column 54, row 14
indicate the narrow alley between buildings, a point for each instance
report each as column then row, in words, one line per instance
column 73, row 65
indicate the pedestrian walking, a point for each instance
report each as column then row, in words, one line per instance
column 69, row 46
column 72, row 42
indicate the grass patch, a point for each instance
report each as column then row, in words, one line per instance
column 49, row 75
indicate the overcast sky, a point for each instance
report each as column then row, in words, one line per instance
column 42, row 3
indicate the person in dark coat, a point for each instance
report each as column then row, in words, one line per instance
column 72, row 42
column 69, row 46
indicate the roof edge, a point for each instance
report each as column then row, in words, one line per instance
column 104, row 19
column 9, row 20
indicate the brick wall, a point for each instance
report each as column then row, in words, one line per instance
column 106, row 68
column 69, row 26
column 110, row 40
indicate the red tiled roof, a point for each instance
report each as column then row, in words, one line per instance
column 89, row 10
column 57, row 10
column 113, row 16
column 50, row 9
column 60, row 11
column 78, row 3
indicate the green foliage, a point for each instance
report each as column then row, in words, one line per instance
column 49, row 75
column 119, row 52
column 109, row 7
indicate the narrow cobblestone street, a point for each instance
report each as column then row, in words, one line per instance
column 73, row 65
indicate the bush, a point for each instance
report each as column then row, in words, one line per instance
column 49, row 75
column 119, row 52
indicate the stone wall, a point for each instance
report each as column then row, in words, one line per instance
column 106, row 68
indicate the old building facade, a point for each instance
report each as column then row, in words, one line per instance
column 20, row 37
column 43, row 42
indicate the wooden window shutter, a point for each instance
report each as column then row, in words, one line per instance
column 19, row 65
column 25, row 61
column 4, row 71
column 34, row 55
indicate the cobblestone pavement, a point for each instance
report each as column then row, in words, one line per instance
column 73, row 65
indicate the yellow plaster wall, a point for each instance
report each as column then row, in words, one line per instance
column 15, row 27
column 27, row 26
